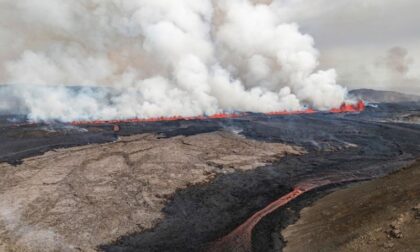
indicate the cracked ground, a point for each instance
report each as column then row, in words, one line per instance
column 78, row 198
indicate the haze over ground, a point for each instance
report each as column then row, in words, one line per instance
column 371, row 43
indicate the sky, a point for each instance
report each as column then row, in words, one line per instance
column 371, row 43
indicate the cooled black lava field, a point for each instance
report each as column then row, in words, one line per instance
column 350, row 147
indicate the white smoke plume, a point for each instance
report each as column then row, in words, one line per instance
column 148, row 58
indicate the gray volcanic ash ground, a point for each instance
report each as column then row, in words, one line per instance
column 183, row 185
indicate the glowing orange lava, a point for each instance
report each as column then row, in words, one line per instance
column 240, row 239
column 348, row 108
column 345, row 108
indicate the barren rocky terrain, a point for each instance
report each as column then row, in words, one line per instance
column 381, row 215
column 184, row 185
column 79, row 198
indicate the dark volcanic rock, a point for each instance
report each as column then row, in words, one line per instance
column 374, row 215
column 110, row 190
column 19, row 142
column 351, row 146
column 340, row 146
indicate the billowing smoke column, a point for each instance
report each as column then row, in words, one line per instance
column 148, row 58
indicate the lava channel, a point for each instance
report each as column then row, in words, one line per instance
column 240, row 239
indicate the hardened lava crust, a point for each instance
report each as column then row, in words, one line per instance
column 185, row 185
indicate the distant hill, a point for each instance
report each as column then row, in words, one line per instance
column 376, row 96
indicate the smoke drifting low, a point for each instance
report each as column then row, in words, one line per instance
column 149, row 58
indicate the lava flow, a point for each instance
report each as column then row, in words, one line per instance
column 158, row 119
column 241, row 238
column 345, row 108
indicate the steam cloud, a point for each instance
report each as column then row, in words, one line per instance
column 397, row 61
column 147, row 58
